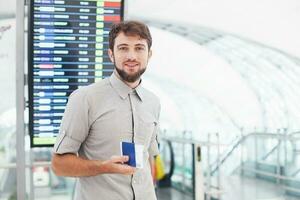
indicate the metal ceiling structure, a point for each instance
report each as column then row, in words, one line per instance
column 270, row 73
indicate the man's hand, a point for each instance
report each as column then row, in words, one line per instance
column 75, row 166
column 116, row 165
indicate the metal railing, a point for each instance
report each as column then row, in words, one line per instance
column 279, row 136
column 210, row 189
column 238, row 145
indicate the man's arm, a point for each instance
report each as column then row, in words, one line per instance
column 75, row 166
column 152, row 167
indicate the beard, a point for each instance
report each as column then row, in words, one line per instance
column 130, row 78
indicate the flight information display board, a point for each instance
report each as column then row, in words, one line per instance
column 68, row 43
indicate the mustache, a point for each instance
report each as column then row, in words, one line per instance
column 131, row 60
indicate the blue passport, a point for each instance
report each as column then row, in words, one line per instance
column 134, row 152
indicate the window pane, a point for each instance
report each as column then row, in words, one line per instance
column 7, row 102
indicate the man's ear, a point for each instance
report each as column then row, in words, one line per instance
column 150, row 54
column 111, row 55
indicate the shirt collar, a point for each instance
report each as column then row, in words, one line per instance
column 122, row 89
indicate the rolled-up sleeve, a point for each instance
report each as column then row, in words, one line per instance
column 75, row 124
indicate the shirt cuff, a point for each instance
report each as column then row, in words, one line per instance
column 66, row 144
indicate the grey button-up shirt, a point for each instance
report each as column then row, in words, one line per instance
column 97, row 118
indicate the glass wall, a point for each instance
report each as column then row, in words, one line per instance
column 7, row 104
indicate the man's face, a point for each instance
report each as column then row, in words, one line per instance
column 130, row 56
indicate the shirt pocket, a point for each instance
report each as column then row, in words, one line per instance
column 146, row 127
column 104, row 128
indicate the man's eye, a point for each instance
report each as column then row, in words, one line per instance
column 140, row 48
column 123, row 48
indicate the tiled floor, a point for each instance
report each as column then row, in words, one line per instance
column 236, row 188
column 171, row 194
column 243, row 188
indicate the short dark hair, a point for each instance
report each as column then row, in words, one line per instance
column 130, row 28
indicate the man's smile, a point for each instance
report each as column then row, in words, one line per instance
column 131, row 64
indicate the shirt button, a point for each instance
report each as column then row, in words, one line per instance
column 134, row 181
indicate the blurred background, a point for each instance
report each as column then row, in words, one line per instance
column 226, row 74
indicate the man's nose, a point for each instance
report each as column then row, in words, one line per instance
column 131, row 55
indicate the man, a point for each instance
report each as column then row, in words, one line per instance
column 100, row 116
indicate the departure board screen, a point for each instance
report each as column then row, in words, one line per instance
column 68, row 43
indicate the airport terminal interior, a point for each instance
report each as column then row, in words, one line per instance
column 225, row 73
